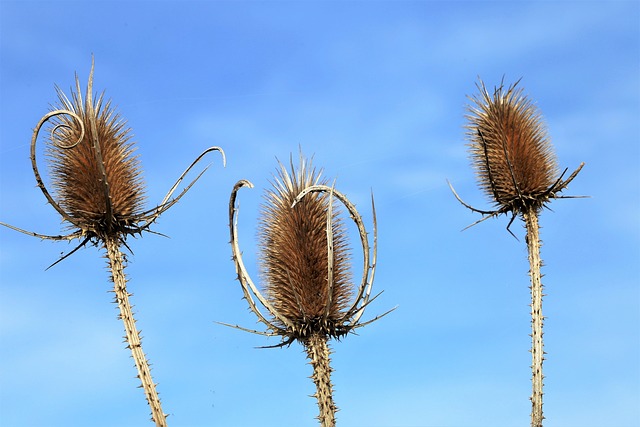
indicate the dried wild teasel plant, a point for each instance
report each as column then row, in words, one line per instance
column 305, row 265
column 100, row 195
column 516, row 167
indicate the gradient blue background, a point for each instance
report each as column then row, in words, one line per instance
column 377, row 92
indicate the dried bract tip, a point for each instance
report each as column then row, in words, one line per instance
column 510, row 149
column 305, row 259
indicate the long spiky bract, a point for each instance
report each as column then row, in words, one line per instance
column 516, row 167
column 306, row 268
column 99, row 193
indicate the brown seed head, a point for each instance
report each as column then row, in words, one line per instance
column 294, row 256
column 510, row 149
column 97, row 178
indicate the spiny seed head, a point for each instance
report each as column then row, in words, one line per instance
column 510, row 149
column 294, row 256
column 96, row 178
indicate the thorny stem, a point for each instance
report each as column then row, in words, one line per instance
column 319, row 354
column 537, row 319
column 132, row 335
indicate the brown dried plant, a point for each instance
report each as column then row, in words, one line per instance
column 305, row 264
column 516, row 166
column 100, row 195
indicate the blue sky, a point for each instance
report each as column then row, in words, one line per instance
column 376, row 91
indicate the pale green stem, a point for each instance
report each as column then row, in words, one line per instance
column 132, row 335
column 537, row 319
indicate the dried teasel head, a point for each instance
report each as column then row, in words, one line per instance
column 95, row 174
column 295, row 262
column 512, row 153
column 305, row 259
column 510, row 149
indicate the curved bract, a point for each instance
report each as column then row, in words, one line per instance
column 248, row 287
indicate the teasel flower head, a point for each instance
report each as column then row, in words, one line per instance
column 305, row 259
column 95, row 174
column 510, row 149
column 295, row 261
column 511, row 152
